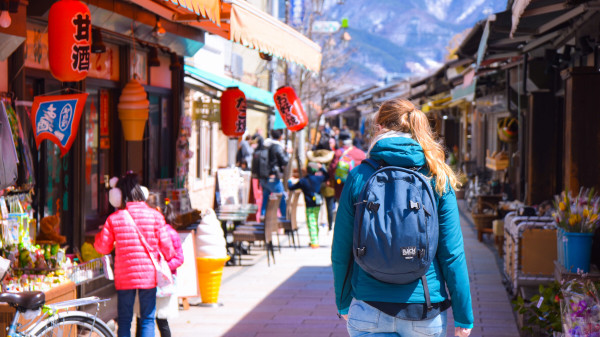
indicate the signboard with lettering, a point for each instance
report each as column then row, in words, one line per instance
column 69, row 40
column 104, row 120
column 56, row 118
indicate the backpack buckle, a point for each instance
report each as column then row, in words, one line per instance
column 361, row 251
column 372, row 206
column 414, row 205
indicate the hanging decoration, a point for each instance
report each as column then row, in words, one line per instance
column 508, row 130
column 69, row 40
column 133, row 110
column 56, row 118
column 233, row 112
column 290, row 109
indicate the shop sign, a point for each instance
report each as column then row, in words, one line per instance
column 104, row 120
column 206, row 111
column 290, row 108
column 328, row 27
column 56, row 118
column 105, row 65
column 233, row 112
column 297, row 12
column 69, row 40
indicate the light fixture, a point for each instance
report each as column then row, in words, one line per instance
column 265, row 56
column 98, row 45
column 159, row 30
column 5, row 19
column 153, row 60
column 175, row 65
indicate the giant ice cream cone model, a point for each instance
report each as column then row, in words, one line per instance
column 133, row 110
column 211, row 255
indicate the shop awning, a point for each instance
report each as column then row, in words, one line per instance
column 222, row 82
column 241, row 22
column 207, row 8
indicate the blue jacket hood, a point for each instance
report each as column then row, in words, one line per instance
column 399, row 151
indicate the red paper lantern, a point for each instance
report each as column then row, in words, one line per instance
column 233, row 112
column 69, row 40
column 290, row 109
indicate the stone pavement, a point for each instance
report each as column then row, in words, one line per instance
column 295, row 297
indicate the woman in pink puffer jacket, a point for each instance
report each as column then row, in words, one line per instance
column 134, row 271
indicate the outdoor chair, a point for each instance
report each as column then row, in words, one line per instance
column 290, row 222
column 257, row 233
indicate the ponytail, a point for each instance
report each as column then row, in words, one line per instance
column 401, row 115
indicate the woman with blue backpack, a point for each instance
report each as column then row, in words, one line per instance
column 397, row 243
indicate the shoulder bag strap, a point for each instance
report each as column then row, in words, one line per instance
column 142, row 239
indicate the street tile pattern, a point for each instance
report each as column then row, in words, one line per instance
column 295, row 297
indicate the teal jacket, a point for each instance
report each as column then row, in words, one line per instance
column 448, row 269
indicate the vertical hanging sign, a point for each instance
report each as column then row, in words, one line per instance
column 69, row 37
column 296, row 12
column 104, row 120
column 56, row 118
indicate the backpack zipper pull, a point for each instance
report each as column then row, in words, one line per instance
column 360, row 202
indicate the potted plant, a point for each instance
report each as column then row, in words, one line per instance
column 576, row 219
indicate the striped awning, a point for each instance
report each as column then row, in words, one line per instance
column 207, row 8
column 241, row 22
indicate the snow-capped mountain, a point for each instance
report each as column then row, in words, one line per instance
column 401, row 38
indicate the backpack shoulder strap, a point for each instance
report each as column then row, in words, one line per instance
column 374, row 164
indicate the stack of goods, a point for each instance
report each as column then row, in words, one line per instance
column 33, row 266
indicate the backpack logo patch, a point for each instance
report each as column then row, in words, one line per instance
column 409, row 253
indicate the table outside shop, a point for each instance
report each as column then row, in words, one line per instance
column 231, row 215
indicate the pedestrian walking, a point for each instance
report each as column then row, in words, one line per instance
column 243, row 157
column 404, row 142
column 167, row 305
column 311, row 188
column 324, row 154
column 268, row 164
column 345, row 159
column 135, row 273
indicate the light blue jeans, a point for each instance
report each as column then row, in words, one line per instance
column 364, row 320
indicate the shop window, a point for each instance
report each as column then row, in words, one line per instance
column 158, row 141
column 96, row 170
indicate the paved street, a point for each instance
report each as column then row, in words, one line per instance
column 294, row 297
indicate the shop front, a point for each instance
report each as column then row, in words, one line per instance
column 63, row 193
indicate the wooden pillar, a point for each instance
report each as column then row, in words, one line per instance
column 542, row 157
column 582, row 138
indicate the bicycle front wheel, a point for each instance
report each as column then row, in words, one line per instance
column 71, row 324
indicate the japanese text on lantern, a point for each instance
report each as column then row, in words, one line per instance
column 286, row 108
column 81, row 53
column 240, row 124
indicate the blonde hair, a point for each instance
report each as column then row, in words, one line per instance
column 401, row 115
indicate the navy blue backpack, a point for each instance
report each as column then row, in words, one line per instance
column 396, row 226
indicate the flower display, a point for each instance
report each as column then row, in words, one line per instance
column 580, row 309
column 579, row 213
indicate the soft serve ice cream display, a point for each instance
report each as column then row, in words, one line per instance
column 133, row 110
column 210, row 241
column 211, row 255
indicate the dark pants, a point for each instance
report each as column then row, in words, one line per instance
column 163, row 327
column 330, row 203
column 126, row 299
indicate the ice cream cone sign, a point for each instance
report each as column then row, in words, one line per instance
column 133, row 111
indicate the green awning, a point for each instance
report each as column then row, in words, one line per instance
column 222, row 82
column 252, row 93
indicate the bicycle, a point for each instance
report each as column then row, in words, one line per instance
column 52, row 319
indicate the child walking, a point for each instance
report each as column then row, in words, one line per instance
column 311, row 187
column 167, row 307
